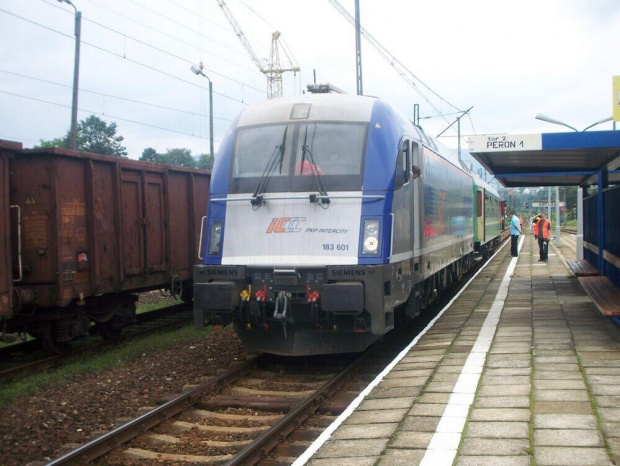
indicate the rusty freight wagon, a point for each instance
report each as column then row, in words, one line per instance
column 86, row 232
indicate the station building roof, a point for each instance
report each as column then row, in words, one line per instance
column 549, row 159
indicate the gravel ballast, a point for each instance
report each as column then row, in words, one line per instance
column 38, row 428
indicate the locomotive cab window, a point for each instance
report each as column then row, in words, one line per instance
column 293, row 156
column 403, row 161
column 333, row 151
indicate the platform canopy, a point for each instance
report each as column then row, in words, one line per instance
column 549, row 159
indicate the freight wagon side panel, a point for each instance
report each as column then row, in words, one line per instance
column 187, row 204
column 31, row 189
column 131, row 215
column 104, row 259
column 6, row 278
column 144, row 227
column 181, row 221
column 73, row 236
column 155, row 224
column 202, row 185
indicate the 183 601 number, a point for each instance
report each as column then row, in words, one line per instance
column 335, row 247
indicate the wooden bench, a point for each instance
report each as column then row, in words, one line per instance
column 604, row 293
column 582, row 268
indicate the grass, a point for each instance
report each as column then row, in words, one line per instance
column 93, row 363
column 153, row 307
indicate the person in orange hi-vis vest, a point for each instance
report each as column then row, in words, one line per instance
column 544, row 228
column 536, row 224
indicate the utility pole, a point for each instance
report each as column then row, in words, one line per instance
column 76, row 76
column 358, row 49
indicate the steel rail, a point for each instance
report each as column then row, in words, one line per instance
column 269, row 439
column 110, row 440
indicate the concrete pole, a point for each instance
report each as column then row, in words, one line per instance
column 579, row 252
column 76, row 79
column 549, row 203
column 557, row 216
column 211, row 119
column 358, row 49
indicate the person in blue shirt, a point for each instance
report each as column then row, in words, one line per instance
column 515, row 231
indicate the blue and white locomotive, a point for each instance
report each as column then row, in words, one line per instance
column 328, row 213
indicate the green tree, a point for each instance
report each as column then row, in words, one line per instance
column 150, row 155
column 179, row 157
column 205, row 161
column 93, row 135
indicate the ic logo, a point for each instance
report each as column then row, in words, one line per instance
column 285, row 225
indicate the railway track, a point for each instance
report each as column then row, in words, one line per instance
column 264, row 411
column 28, row 356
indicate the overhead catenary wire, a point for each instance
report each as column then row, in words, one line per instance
column 126, row 58
column 159, row 49
column 400, row 68
column 169, row 36
column 166, row 52
column 14, row 94
column 103, row 94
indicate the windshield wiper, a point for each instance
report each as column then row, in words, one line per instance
column 323, row 197
column 276, row 159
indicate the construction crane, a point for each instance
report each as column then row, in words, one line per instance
column 272, row 69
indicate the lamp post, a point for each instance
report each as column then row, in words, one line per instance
column 197, row 70
column 548, row 119
column 76, row 76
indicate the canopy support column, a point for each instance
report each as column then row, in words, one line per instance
column 579, row 252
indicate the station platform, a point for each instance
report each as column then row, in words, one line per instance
column 521, row 368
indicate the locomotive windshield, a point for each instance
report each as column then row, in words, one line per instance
column 331, row 151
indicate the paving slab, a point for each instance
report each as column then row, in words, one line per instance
column 398, row 457
column 504, row 390
column 609, row 414
column 502, row 402
column 386, row 403
column 365, row 431
column 497, row 430
column 382, row 392
column 500, row 414
column 376, row 416
column 568, row 438
column 348, row 448
column 493, row 461
column 409, row 439
column 350, row 461
column 563, row 456
column 420, row 423
column 565, row 421
column 524, row 393
column 498, row 447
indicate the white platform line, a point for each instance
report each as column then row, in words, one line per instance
column 445, row 441
column 327, row 433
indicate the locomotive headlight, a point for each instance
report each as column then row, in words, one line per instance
column 371, row 237
column 215, row 237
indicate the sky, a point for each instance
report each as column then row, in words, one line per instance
column 509, row 60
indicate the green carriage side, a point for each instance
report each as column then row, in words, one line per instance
column 487, row 216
